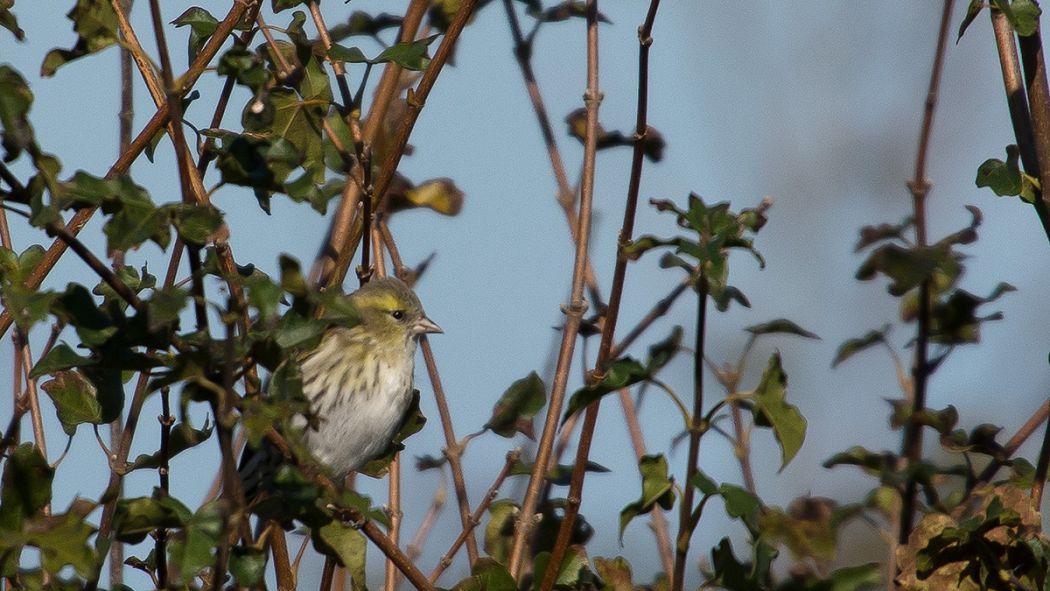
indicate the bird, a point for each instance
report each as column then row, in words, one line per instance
column 358, row 381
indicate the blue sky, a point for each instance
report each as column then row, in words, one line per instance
column 816, row 104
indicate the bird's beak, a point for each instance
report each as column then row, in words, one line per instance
column 426, row 325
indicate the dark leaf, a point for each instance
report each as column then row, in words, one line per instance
column 96, row 26
column 487, row 574
column 59, row 357
column 183, row 437
column 657, row 490
column 972, row 10
column 619, row 373
column 517, row 406
column 135, row 518
column 780, row 326
column 771, row 410
column 75, row 400
column 26, row 486
column 853, row 346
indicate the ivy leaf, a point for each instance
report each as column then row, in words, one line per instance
column 196, row 224
column 183, row 437
column 26, row 486
column 499, row 531
column 1023, row 15
column 60, row 357
column 202, row 25
column 64, row 539
column 657, row 490
column 410, row 55
column 8, row 20
column 194, row 549
column 619, row 373
column 135, row 518
column 344, row 543
column 514, row 411
column 75, row 400
column 780, row 326
column 853, row 346
column 96, row 26
column 771, row 410
column 247, row 565
column 972, row 10
column 1006, row 179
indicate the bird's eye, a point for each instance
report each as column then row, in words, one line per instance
column 398, row 314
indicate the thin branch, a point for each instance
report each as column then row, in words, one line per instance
column 466, row 534
column 161, row 535
column 620, row 271
column 573, row 315
column 453, row 450
column 566, row 194
column 394, row 508
column 920, row 186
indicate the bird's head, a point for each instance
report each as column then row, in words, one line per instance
column 389, row 307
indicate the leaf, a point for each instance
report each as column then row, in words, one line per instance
column 347, row 545
column 771, row 410
column 183, row 437
column 573, row 572
column 63, row 540
column 58, row 358
column 350, row 55
column 657, row 490
column 202, row 25
column 26, row 486
column 135, row 518
column 517, row 406
column 703, row 483
column 972, row 10
column 1006, row 179
column 247, row 565
column 499, row 531
column 96, row 26
column 8, row 20
column 619, row 373
column 853, row 346
column 196, row 224
column 75, row 400
column 740, row 504
column 615, row 573
column 487, row 574
column 194, row 549
column 780, row 326
column 1023, row 15
column 409, row 55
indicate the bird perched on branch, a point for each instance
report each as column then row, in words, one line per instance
column 358, row 381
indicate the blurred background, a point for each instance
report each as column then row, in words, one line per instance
column 815, row 104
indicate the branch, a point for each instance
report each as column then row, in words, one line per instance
column 573, row 312
column 920, row 186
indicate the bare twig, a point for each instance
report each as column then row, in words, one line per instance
column 919, row 187
column 620, row 271
column 394, row 507
column 573, row 312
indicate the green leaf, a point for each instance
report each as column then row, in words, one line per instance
column 202, row 25
column 347, row 545
column 58, row 358
column 26, row 486
column 1023, row 15
column 740, row 504
column 8, row 20
column 75, row 400
column 573, row 572
column 853, row 346
column 96, row 26
column 1006, row 179
column 64, row 539
column 247, row 565
column 135, row 221
column 15, row 101
column 514, row 410
column 703, row 483
column 657, row 490
column 194, row 550
column 135, row 518
column 183, row 436
column 350, row 55
column 771, row 410
column 487, row 574
column 619, row 373
column 972, row 10
column 196, row 224
column 410, row 55
column 499, row 531
column 780, row 326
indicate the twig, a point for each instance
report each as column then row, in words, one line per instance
column 161, row 535
column 919, row 187
column 415, row 547
column 620, row 271
column 415, row 102
column 573, row 315
column 394, row 505
column 339, row 244
column 1022, row 435
column 566, row 194
column 686, row 520
column 446, row 560
column 453, row 450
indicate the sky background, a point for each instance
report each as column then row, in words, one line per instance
column 815, row 104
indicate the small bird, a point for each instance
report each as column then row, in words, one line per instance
column 358, row 381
